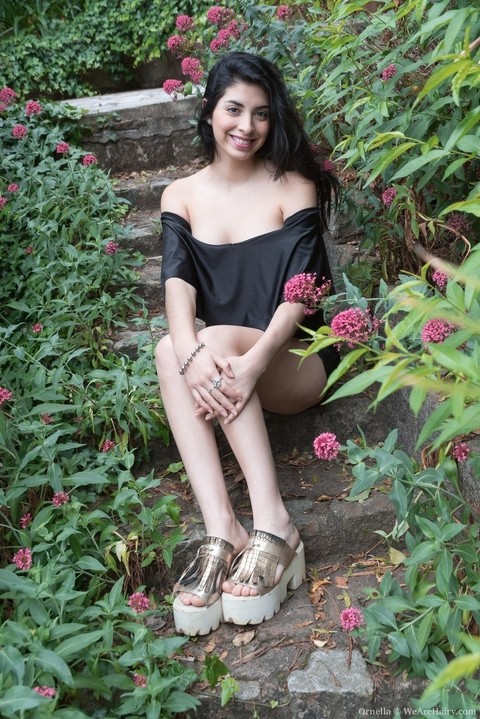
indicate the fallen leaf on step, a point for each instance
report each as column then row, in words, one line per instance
column 319, row 643
column 341, row 582
column 210, row 646
column 245, row 638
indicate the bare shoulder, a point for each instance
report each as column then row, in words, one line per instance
column 297, row 194
column 175, row 197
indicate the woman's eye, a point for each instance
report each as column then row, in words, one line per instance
column 262, row 115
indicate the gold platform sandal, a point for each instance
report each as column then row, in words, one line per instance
column 204, row 578
column 256, row 567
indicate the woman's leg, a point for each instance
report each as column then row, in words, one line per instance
column 197, row 446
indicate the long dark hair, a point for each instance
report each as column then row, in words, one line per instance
column 287, row 147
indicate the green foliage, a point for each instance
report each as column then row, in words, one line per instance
column 52, row 50
column 420, row 618
column 75, row 419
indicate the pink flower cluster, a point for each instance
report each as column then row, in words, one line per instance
column 7, row 96
column 19, row 132
column 219, row 16
column 140, row 680
column 436, row 331
column 111, row 248
column 25, row 520
column 388, row 72
column 354, row 326
column 5, row 395
column 108, row 445
column 62, row 148
column 23, row 559
column 351, row 618
column 3, row 202
column 283, row 12
column 60, row 498
column 138, row 602
column 440, row 279
column 37, row 328
column 46, row 418
column 459, row 222
column 13, row 187
column 388, row 196
column 89, row 160
column 328, row 166
column 175, row 44
column 326, row 446
column 460, row 452
column 33, row 108
column 303, row 288
column 192, row 69
column 45, row 691
column 184, row 23
column 172, row 87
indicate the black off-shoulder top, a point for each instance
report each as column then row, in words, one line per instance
column 242, row 283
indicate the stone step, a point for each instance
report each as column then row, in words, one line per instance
column 143, row 233
column 143, row 190
column 138, row 130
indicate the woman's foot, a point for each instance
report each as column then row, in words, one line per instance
column 291, row 536
column 238, row 538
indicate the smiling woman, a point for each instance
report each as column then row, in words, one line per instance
column 233, row 234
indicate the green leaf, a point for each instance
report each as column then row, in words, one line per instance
column 73, row 646
column 387, row 159
column 19, row 699
column 457, row 669
column 418, row 162
column 424, row 629
column 214, row 669
column 51, row 662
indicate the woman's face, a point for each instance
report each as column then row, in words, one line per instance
column 241, row 121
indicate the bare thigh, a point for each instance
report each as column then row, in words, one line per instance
column 288, row 385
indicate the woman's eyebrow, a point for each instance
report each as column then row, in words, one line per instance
column 239, row 104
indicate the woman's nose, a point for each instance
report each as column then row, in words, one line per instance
column 246, row 123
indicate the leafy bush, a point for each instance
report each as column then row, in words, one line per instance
column 78, row 529
column 53, row 51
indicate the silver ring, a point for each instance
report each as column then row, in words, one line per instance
column 216, row 384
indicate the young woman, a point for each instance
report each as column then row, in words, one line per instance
column 233, row 234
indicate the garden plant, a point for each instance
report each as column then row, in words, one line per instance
column 391, row 92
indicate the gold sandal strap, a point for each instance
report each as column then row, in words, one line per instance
column 205, row 574
column 257, row 565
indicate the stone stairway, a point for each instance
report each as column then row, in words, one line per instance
column 299, row 665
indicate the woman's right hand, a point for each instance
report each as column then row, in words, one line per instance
column 210, row 401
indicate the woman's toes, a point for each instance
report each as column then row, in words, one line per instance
column 190, row 600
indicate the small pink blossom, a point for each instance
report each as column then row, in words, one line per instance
column 7, row 95
column 440, row 279
column 303, row 288
column 13, row 187
column 62, row 148
column 215, row 45
column 328, row 166
column 3, row 201
column 184, row 23
column 283, row 12
column 29, row 250
column 388, row 72
column 3, row 106
column 89, row 160
column 220, row 16
column 138, row 602
column 45, row 691
column 459, row 222
column 46, row 418
column 108, row 445
column 326, row 446
column 436, row 331
column 175, row 44
column 60, row 498
column 234, row 29
column 351, row 618
column 191, row 68
column 37, row 328
column 388, row 196
column 460, row 452
column 354, row 325
column 25, row 520
column 33, row 108
column 23, row 559
column 111, row 248
column 140, row 680
column 5, row 395
column 172, row 87
column 19, row 132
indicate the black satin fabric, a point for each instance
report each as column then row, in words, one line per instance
column 242, row 283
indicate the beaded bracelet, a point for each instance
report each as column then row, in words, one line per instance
column 190, row 357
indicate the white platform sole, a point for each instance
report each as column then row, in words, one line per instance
column 191, row 620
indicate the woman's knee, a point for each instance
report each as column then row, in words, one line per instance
column 165, row 358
